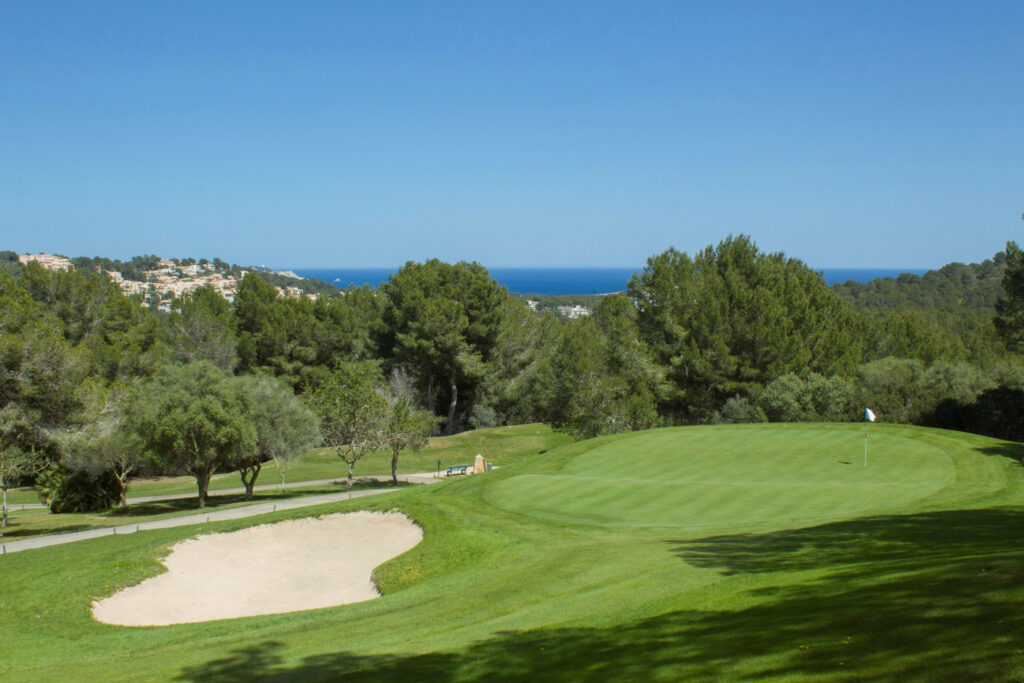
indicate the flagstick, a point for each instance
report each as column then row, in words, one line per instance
column 865, row 449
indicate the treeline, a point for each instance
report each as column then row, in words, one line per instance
column 95, row 388
column 952, row 305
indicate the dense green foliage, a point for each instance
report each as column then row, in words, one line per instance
column 78, row 490
column 945, row 314
column 443, row 322
column 731, row 334
column 952, row 288
column 285, row 428
column 194, row 418
column 353, row 413
column 1010, row 306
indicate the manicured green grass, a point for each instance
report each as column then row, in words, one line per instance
column 552, row 568
column 755, row 476
column 22, row 495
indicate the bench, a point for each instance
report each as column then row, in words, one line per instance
column 457, row 469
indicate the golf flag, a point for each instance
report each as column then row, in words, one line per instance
column 868, row 415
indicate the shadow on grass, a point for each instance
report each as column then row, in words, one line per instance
column 12, row 532
column 921, row 597
column 1013, row 451
column 214, row 502
column 863, row 545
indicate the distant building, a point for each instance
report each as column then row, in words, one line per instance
column 48, row 261
column 573, row 312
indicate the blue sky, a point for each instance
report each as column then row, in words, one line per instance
column 878, row 134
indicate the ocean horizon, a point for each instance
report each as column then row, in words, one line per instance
column 566, row 281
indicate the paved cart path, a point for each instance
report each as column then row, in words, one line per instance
column 420, row 478
column 212, row 516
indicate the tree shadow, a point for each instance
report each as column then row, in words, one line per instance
column 213, row 502
column 870, row 543
column 162, row 507
column 12, row 532
column 1013, row 451
column 923, row 597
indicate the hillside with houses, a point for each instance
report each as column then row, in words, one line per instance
column 157, row 282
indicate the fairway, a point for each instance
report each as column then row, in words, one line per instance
column 763, row 552
column 702, row 477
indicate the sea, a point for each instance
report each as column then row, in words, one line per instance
column 562, row 281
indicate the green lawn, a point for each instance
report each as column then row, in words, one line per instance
column 677, row 554
column 759, row 476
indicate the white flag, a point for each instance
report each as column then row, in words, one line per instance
column 868, row 415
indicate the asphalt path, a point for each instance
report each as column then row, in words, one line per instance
column 214, row 515
column 422, row 478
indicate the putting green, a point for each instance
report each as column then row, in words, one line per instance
column 714, row 477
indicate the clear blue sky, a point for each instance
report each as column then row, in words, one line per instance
column 864, row 134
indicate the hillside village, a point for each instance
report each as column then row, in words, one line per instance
column 161, row 281
column 171, row 278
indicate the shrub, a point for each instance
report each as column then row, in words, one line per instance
column 738, row 410
column 66, row 490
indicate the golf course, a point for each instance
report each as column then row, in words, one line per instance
column 784, row 551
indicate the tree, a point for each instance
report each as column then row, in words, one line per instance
column 95, row 315
column 738, row 410
column 352, row 412
column 101, row 442
column 16, row 460
column 202, row 327
column 285, row 428
column 39, row 371
column 444, row 321
column 406, row 427
column 194, row 418
column 1010, row 307
column 893, row 388
column 791, row 398
column 587, row 397
column 729, row 320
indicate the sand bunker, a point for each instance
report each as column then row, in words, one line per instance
column 285, row 567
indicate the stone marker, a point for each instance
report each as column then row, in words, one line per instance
column 479, row 465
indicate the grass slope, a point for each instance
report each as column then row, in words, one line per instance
column 752, row 575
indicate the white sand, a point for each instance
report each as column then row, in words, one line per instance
column 285, row 567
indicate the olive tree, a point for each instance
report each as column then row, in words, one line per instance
column 101, row 442
column 352, row 412
column 194, row 418
column 285, row 427
column 405, row 426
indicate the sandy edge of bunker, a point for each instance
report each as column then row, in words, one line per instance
column 287, row 566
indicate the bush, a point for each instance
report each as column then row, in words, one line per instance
column 65, row 490
column 738, row 410
column 997, row 412
column 790, row 398
column 483, row 416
